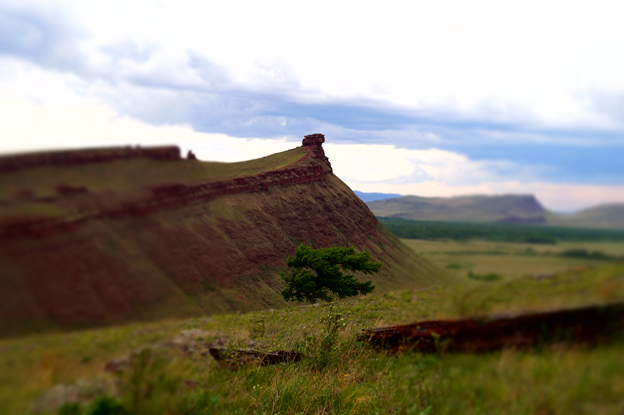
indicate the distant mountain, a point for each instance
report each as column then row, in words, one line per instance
column 602, row 216
column 495, row 209
column 371, row 197
column 502, row 209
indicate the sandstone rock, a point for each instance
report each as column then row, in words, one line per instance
column 313, row 140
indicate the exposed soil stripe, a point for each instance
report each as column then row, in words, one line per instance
column 588, row 324
column 171, row 196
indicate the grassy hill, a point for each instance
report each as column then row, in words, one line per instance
column 505, row 208
column 513, row 209
column 370, row 197
column 603, row 216
column 100, row 241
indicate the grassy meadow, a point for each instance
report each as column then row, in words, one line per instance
column 164, row 368
column 511, row 259
column 504, row 232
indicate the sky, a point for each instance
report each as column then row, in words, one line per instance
column 414, row 97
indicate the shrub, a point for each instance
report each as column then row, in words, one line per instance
column 314, row 273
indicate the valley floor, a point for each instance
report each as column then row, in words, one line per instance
column 162, row 368
column 511, row 259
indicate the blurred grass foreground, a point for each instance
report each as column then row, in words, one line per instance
column 163, row 368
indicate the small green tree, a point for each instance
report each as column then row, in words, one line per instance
column 314, row 273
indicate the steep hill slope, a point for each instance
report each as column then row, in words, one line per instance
column 503, row 209
column 110, row 236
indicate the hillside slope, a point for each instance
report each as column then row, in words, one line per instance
column 503, row 209
column 93, row 239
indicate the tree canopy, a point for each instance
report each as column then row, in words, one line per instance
column 315, row 273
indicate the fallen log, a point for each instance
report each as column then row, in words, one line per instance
column 243, row 356
column 587, row 325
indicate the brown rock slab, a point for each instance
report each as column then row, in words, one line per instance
column 587, row 325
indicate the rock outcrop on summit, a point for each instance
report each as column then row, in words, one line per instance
column 105, row 240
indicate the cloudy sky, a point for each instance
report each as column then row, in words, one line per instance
column 414, row 97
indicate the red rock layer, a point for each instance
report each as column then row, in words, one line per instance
column 164, row 197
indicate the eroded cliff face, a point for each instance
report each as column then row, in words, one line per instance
column 74, row 256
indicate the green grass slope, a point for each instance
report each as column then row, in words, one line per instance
column 168, row 371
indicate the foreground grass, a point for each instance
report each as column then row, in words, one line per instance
column 339, row 374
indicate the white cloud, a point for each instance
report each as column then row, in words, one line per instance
column 369, row 168
column 524, row 63
column 31, row 127
column 77, row 124
column 487, row 59
column 23, row 81
column 373, row 163
column 433, row 172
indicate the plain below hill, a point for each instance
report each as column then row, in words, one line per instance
column 110, row 236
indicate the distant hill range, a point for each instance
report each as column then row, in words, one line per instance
column 108, row 236
column 494, row 209
column 602, row 216
column 371, row 197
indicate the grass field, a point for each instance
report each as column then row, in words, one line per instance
column 339, row 374
column 509, row 259
column 505, row 232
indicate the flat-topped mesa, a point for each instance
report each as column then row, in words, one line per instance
column 66, row 158
column 315, row 143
